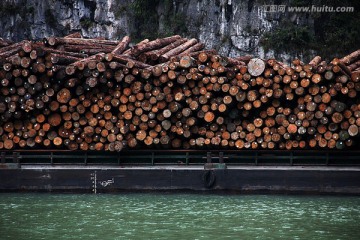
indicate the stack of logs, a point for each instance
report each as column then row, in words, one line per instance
column 96, row 94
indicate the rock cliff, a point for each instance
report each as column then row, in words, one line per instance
column 232, row 27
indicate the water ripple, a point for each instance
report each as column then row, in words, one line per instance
column 177, row 216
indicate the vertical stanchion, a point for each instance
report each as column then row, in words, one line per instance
column 208, row 157
column 2, row 157
column 327, row 158
column 86, row 159
column 51, row 158
column 221, row 157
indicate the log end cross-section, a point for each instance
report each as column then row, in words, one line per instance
column 256, row 67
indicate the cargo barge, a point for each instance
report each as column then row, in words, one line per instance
column 290, row 172
column 101, row 98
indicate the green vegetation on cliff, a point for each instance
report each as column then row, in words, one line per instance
column 332, row 34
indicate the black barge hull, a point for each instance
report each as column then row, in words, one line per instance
column 242, row 179
column 305, row 172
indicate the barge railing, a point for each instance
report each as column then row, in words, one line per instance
column 181, row 157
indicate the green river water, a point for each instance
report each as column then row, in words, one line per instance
column 177, row 216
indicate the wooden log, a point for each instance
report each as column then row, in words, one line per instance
column 195, row 48
column 353, row 130
column 354, row 65
column 256, row 67
column 337, row 62
column 128, row 51
column 245, row 58
column 355, row 76
column 128, row 60
column 352, row 57
column 122, row 45
column 42, row 50
column 14, row 47
column 54, row 119
column 5, row 42
column 74, row 35
column 315, row 61
column 155, row 54
column 53, row 41
column 177, row 50
column 62, row 58
column 70, row 69
column 155, row 44
column 235, row 62
column 8, row 144
column 63, row 96
column 10, row 52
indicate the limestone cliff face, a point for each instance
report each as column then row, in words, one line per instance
column 233, row 27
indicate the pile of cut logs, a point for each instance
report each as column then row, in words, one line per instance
column 96, row 94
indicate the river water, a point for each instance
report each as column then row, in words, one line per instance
column 177, row 216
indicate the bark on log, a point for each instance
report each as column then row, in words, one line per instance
column 53, row 41
column 155, row 44
column 352, row 57
column 55, row 98
column 122, row 45
column 74, row 35
column 175, row 51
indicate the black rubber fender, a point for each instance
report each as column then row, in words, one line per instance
column 209, row 178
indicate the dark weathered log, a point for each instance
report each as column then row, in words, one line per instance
column 245, row 58
column 63, row 59
column 53, row 41
column 87, row 49
column 10, row 52
column 354, row 66
column 128, row 60
column 337, row 62
column 5, row 42
column 44, row 50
